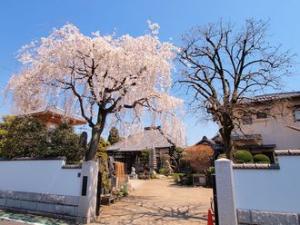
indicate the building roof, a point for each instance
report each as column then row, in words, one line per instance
column 274, row 96
column 150, row 137
column 205, row 140
column 237, row 137
column 55, row 115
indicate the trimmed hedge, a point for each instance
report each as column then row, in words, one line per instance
column 261, row 158
column 242, row 156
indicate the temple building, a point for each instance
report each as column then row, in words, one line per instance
column 132, row 150
column 53, row 116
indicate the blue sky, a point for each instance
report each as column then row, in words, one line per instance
column 24, row 21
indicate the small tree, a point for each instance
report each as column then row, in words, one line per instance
column 223, row 67
column 102, row 77
column 113, row 136
column 145, row 157
column 27, row 137
column 199, row 157
column 22, row 137
column 64, row 142
column 4, row 125
column 176, row 156
column 103, row 165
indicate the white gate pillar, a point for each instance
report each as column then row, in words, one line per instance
column 88, row 198
column 225, row 192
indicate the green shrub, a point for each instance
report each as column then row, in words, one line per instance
column 261, row 158
column 162, row 171
column 176, row 157
column 211, row 170
column 242, row 156
column 103, row 165
column 25, row 136
column 153, row 175
column 177, row 177
column 64, row 142
column 187, row 179
column 145, row 157
column 124, row 190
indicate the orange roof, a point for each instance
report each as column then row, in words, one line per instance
column 57, row 116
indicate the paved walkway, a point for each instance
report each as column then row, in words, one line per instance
column 159, row 202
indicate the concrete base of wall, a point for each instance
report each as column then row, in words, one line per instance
column 58, row 206
column 266, row 218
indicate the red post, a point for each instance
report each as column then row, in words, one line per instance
column 210, row 218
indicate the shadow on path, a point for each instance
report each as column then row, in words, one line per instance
column 139, row 210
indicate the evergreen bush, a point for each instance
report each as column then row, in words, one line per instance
column 22, row 137
column 162, row 171
column 261, row 158
column 63, row 141
column 103, row 166
column 242, row 156
column 25, row 136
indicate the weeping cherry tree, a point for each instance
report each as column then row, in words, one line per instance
column 102, row 77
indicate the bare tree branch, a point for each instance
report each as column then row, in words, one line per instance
column 222, row 66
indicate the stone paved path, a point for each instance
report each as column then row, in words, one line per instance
column 159, row 202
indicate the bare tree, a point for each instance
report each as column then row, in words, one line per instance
column 224, row 67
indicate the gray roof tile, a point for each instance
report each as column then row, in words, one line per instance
column 274, row 96
column 150, row 138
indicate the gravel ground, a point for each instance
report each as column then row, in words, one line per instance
column 158, row 202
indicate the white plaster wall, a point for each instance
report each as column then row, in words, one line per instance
column 275, row 190
column 275, row 130
column 39, row 176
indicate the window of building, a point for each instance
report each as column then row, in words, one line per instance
column 261, row 115
column 297, row 113
column 246, row 119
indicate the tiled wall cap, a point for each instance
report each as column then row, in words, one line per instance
column 255, row 166
column 29, row 158
column 287, row 152
column 72, row 166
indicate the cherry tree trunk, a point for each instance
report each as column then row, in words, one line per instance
column 93, row 146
